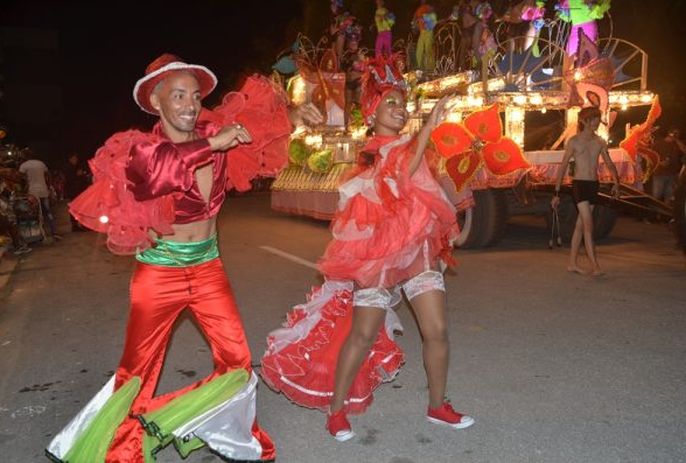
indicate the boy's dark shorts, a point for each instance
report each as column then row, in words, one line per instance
column 585, row 190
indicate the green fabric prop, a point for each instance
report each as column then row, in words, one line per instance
column 150, row 448
column 320, row 162
column 180, row 410
column 298, row 152
column 599, row 9
column 91, row 446
column 186, row 447
column 356, row 117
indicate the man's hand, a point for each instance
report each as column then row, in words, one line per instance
column 305, row 114
column 555, row 201
column 615, row 190
column 229, row 137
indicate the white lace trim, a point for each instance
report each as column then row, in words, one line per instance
column 430, row 280
column 382, row 298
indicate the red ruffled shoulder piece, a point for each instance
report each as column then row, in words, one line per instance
column 107, row 206
column 261, row 107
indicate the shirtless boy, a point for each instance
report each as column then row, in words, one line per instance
column 586, row 147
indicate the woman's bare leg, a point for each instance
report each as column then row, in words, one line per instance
column 367, row 322
column 429, row 308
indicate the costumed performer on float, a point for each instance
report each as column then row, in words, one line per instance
column 582, row 14
column 524, row 18
column 483, row 41
column 425, row 20
column 534, row 13
column 392, row 232
column 157, row 194
column 340, row 28
column 384, row 21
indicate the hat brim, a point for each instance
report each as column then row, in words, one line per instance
column 145, row 86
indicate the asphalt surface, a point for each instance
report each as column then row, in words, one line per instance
column 554, row 367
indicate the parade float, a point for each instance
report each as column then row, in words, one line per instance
column 496, row 163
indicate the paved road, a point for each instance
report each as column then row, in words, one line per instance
column 554, row 367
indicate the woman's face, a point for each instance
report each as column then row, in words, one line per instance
column 391, row 114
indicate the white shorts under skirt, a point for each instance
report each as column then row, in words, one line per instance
column 385, row 298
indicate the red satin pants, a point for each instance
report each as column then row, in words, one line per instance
column 158, row 296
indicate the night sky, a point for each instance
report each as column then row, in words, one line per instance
column 104, row 48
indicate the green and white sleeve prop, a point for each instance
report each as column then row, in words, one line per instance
column 219, row 414
column 87, row 437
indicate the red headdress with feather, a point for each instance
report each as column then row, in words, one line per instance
column 381, row 76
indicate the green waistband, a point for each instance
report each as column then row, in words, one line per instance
column 176, row 254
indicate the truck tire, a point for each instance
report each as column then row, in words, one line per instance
column 604, row 219
column 468, row 237
column 484, row 224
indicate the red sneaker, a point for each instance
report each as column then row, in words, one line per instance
column 339, row 427
column 447, row 416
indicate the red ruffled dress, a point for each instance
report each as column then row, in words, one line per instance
column 390, row 226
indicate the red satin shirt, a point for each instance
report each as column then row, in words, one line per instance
column 161, row 167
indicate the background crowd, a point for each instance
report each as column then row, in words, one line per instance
column 29, row 194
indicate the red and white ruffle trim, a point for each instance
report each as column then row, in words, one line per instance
column 300, row 360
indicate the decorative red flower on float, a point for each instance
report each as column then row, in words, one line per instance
column 637, row 140
column 476, row 142
column 327, row 80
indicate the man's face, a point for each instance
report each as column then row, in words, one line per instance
column 73, row 159
column 178, row 101
column 592, row 123
column 391, row 114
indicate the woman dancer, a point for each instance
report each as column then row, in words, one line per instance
column 393, row 231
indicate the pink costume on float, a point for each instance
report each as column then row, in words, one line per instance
column 384, row 21
column 582, row 14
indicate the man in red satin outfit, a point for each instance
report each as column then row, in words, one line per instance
column 175, row 181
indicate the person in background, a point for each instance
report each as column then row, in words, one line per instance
column 353, row 66
column 8, row 223
column 384, row 23
column 483, row 42
column 425, row 20
column 467, row 21
column 38, row 178
column 671, row 150
column 586, row 147
column 341, row 23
